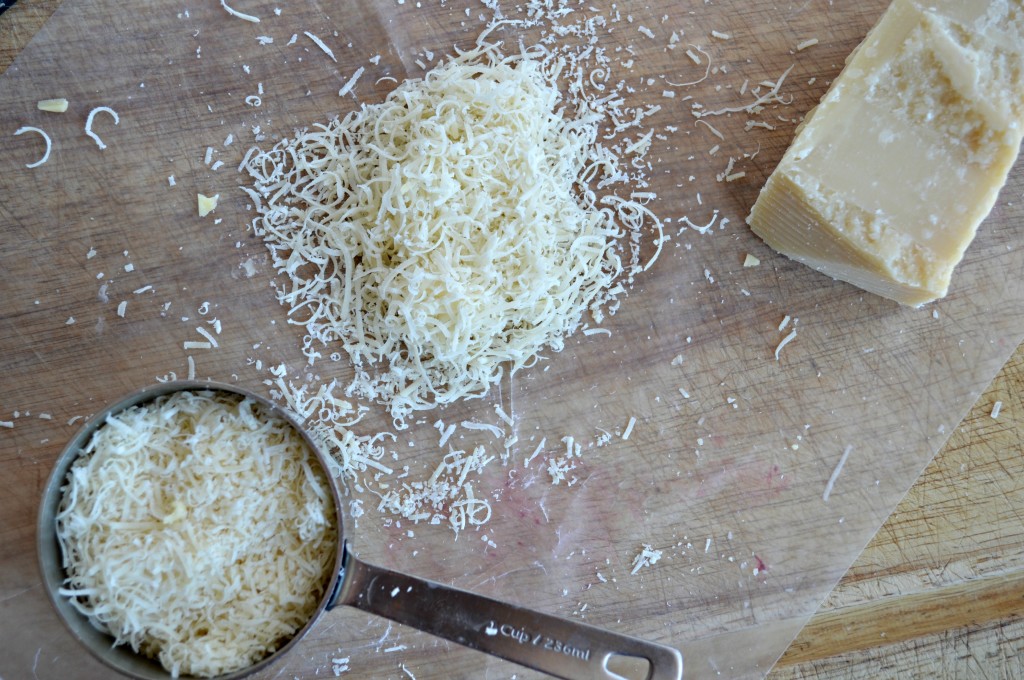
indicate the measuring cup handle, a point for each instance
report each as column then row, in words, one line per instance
column 550, row 644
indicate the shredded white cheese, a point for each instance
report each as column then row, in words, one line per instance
column 493, row 429
column 996, row 408
column 647, row 556
column 198, row 530
column 536, row 452
column 206, row 334
column 835, row 473
column 92, row 115
column 46, row 138
column 629, row 428
column 235, row 13
column 442, row 236
column 320, row 43
column 351, row 82
column 785, row 341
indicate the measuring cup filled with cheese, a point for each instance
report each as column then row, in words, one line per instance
column 192, row 530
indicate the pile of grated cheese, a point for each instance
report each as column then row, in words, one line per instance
column 198, row 530
column 452, row 232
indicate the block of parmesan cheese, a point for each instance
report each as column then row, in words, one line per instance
column 890, row 175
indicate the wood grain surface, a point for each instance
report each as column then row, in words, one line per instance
column 939, row 592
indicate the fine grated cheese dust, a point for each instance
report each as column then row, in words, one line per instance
column 451, row 232
column 197, row 530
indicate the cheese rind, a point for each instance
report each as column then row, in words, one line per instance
column 891, row 174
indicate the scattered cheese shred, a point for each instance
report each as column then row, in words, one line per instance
column 92, row 115
column 206, row 334
column 487, row 427
column 835, row 473
column 996, row 408
column 46, row 138
column 236, row 13
column 536, row 452
column 53, row 105
column 351, row 82
column 803, row 45
column 785, row 341
column 629, row 428
column 647, row 556
column 320, row 43
column 198, row 530
column 442, row 236
column 751, row 261
column 769, row 97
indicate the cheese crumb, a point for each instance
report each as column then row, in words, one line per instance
column 996, row 408
column 53, row 105
column 207, row 204
column 811, row 42
column 751, row 261
column 647, row 556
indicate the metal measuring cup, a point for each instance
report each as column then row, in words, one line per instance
column 546, row 643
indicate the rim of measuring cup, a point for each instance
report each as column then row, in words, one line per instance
column 121, row 658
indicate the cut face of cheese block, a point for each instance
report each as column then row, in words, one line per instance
column 891, row 174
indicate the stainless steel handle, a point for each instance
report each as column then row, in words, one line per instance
column 550, row 644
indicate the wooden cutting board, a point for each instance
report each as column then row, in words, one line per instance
column 725, row 483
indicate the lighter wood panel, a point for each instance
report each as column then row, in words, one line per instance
column 939, row 592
